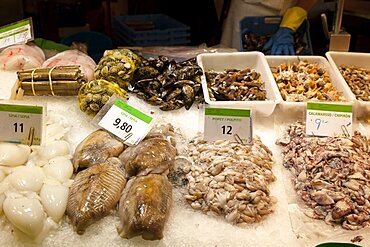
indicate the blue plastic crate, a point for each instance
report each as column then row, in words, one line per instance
column 268, row 25
column 150, row 30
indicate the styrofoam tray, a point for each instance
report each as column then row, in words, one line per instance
column 358, row 59
column 240, row 60
column 299, row 107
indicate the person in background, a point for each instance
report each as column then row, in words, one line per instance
column 282, row 42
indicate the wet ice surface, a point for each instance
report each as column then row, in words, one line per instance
column 185, row 226
column 7, row 82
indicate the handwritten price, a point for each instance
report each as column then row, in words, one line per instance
column 319, row 121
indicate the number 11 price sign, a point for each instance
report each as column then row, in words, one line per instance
column 21, row 123
column 228, row 124
column 324, row 119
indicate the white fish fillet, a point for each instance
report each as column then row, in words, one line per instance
column 22, row 56
column 73, row 57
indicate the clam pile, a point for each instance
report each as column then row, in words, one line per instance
column 230, row 180
column 93, row 95
column 117, row 66
column 235, row 85
column 358, row 79
column 330, row 175
column 169, row 84
column 304, row 81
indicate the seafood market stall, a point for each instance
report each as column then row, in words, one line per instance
column 85, row 186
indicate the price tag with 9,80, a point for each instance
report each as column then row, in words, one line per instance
column 21, row 123
column 126, row 122
column 328, row 119
column 228, row 124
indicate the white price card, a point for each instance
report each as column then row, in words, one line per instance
column 15, row 33
column 126, row 122
column 329, row 120
column 21, row 123
column 228, row 124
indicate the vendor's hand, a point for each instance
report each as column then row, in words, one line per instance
column 282, row 42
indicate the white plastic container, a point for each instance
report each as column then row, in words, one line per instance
column 219, row 62
column 299, row 107
column 336, row 59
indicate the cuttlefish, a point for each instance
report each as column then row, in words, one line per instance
column 96, row 148
column 95, row 193
column 144, row 207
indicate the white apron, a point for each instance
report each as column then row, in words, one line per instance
column 242, row 8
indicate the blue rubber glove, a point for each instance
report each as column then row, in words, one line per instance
column 282, row 42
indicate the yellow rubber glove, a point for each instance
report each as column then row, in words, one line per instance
column 293, row 18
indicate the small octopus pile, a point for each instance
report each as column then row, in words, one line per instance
column 331, row 175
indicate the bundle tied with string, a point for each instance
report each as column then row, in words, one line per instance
column 59, row 80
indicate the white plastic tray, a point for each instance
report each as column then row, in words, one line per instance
column 240, row 60
column 336, row 59
column 299, row 107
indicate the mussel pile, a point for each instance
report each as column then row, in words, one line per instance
column 304, row 81
column 253, row 42
column 235, row 84
column 167, row 83
column 330, row 175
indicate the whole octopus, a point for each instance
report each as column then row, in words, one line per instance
column 231, row 180
column 331, row 175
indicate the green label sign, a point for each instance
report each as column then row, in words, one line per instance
column 329, row 119
column 21, row 123
column 15, row 33
column 126, row 122
column 227, row 124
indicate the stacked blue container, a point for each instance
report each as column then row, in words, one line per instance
column 150, row 30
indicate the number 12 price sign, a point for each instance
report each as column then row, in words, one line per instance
column 329, row 119
column 228, row 124
column 126, row 122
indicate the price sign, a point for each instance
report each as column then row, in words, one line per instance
column 21, row 123
column 126, row 122
column 228, row 124
column 329, row 119
column 18, row 32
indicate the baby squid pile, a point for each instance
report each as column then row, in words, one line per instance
column 331, row 175
column 230, row 180
column 304, row 81
column 35, row 181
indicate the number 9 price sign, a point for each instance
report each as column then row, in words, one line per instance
column 228, row 124
column 126, row 122
column 324, row 119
